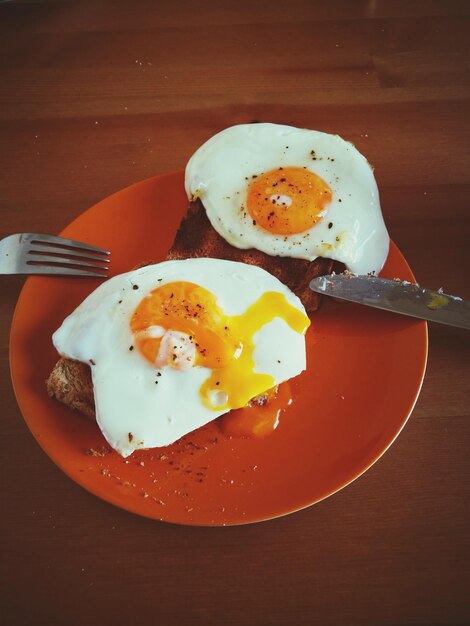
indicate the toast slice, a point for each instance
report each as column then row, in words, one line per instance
column 70, row 381
column 197, row 238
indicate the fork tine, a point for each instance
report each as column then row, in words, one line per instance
column 72, row 258
column 57, row 261
column 42, row 249
column 64, row 271
column 61, row 241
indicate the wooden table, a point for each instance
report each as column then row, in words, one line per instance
column 98, row 95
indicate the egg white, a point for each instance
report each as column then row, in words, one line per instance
column 127, row 399
column 220, row 170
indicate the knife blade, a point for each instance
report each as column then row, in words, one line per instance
column 397, row 296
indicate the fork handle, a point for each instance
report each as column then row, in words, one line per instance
column 8, row 254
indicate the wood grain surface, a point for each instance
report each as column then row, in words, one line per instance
column 98, row 95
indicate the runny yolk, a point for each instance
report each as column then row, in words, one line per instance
column 181, row 325
column 257, row 420
column 287, row 200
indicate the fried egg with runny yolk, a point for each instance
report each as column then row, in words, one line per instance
column 173, row 346
column 181, row 325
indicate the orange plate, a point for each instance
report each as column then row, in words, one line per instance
column 365, row 369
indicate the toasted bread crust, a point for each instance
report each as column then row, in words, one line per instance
column 70, row 381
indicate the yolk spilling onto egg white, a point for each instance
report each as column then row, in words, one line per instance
column 181, row 325
column 288, row 200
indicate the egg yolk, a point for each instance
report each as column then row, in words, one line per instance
column 181, row 325
column 260, row 417
column 287, row 200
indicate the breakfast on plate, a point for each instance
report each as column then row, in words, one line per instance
column 157, row 352
column 172, row 346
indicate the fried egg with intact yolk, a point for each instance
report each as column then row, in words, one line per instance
column 173, row 346
column 290, row 192
column 288, row 200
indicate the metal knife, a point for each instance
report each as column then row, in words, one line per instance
column 396, row 296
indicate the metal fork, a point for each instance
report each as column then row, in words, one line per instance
column 31, row 253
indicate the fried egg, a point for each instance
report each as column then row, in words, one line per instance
column 291, row 192
column 172, row 346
